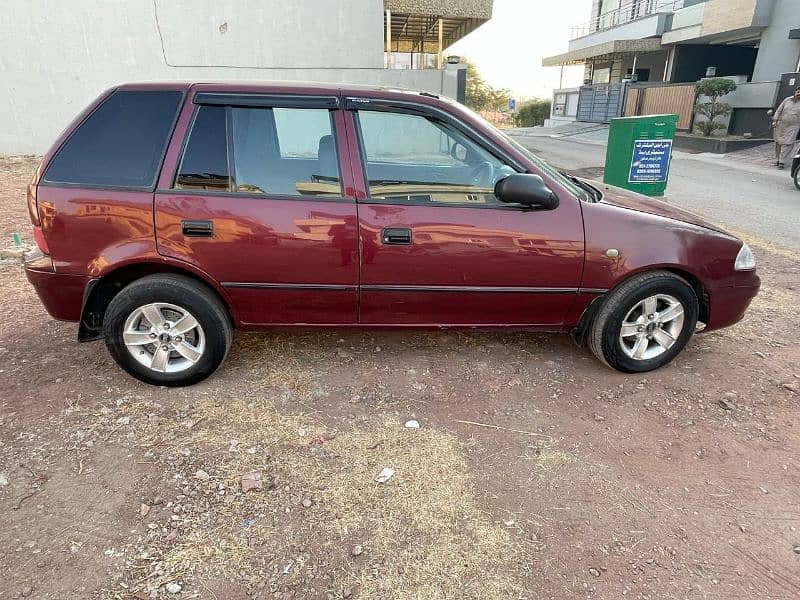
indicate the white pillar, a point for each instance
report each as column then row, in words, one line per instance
column 439, row 62
column 388, row 39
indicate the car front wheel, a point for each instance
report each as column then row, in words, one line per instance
column 645, row 322
column 167, row 330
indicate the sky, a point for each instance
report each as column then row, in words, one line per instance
column 508, row 50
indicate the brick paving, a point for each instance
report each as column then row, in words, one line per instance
column 763, row 156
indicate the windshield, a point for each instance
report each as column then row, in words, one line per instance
column 567, row 183
column 545, row 168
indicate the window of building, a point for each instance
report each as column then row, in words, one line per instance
column 601, row 75
column 121, row 144
column 413, row 158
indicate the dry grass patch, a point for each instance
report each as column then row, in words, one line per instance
column 423, row 532
column 767, row 245
column 774, row 299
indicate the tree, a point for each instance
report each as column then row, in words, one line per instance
column 532, row 113
column 480, row 96
column 713, row 90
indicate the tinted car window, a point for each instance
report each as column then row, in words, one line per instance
column 413, row 158
column 205, row 161
column 299, row 131
column 284, row 151
column 280, row 151
column 120, row 144
column 405, row 139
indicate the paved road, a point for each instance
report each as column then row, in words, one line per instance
column 743, row 197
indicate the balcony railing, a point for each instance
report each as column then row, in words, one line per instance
column 634, row 9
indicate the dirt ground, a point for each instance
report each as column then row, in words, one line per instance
column 589, row 484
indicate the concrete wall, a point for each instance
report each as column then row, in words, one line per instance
column 762, row 15
column 688, row 16
column 754, row 95
column 55, row 57
column 569, row 107
column 750, row 102
column 722, row 16
column 686, row 23
column 249, row 33
column 778, row 54
column 754, row 121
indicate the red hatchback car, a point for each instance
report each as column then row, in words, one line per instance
column 169, row 214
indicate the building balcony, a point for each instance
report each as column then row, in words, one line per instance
column 650, row 26
column 687, row 24
column 630, row 11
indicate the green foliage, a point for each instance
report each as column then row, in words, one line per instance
column 480, row 96
column 713, row 90
column 716, row 88
column 532, row 113
column 712, row 110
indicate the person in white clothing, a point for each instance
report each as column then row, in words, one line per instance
column 786, row 123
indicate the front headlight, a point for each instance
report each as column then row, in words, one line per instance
column 745, row 261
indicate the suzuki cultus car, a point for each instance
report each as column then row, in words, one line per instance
column 168, row 215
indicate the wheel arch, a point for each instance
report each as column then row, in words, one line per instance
column 579, row 332
column 101, row 290
column 704, row 307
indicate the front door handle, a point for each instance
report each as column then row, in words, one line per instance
column 395, row 236
column 197, row 228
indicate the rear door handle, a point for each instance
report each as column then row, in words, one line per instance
column 197, row 228
column 395, row 236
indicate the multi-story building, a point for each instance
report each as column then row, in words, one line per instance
column 56, row 56
column 682, row 41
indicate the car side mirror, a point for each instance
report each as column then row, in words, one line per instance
column 458, row 152
column 526, row 189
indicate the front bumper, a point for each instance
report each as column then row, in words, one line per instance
column 62, row 295
column 727, row 305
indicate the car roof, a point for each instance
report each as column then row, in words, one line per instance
column 283, row 87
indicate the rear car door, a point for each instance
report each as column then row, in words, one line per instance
column 256, row 201
column 437, row 246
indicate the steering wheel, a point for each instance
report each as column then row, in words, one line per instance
column 482, row 175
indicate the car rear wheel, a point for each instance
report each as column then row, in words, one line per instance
column 167, row 330
column 645, row 322
column 796, row 177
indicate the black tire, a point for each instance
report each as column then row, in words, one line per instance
column 604, row 332
column 182, row 291
column 796, row 177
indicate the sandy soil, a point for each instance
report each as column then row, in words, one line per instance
column 592, row 485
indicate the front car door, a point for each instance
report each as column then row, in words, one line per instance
column 256, row 201
column 437, row 246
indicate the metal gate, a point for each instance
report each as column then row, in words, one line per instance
column 662, row 99
column 601, row 102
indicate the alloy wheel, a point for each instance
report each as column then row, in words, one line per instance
column 164, row 337
column 652, row 327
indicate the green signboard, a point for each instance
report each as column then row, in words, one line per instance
column 639, row 153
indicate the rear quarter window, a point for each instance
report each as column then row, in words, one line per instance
column 121, row 144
